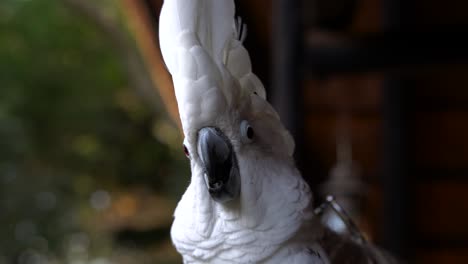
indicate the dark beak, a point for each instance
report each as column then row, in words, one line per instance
column 219, row 163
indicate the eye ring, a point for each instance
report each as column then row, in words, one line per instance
column 247, row 132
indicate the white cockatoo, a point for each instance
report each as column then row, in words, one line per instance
column 246, row 201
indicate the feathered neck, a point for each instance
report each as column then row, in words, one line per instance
column 274, row 203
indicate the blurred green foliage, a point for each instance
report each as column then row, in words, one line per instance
column 70, row 125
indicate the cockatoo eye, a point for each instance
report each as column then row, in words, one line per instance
column 247, row 132
column 186, row 152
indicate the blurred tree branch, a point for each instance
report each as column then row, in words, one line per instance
column 145, row 32
column 140, row 77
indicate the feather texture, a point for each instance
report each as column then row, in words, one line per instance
column 202, row 49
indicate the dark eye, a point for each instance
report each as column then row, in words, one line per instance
column 186, row 151
column 250, row 132
column 247, row 132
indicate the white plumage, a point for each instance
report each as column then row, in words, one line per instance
column 246, row 202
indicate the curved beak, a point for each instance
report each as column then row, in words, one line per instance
column 219, row 162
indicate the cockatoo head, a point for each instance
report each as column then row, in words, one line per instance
column 222, row 104
column 244, row 128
